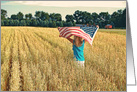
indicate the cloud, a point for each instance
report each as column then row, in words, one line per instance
column 70, row 3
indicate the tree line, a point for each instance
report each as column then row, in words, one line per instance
column 43, row 19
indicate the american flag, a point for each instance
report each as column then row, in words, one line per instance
column 88, row 33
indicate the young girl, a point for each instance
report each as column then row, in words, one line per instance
column 78, row 49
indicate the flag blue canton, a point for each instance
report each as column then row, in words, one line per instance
column 89, row 30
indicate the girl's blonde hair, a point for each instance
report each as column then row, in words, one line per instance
column 78, row 41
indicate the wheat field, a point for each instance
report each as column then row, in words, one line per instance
column 37, row 59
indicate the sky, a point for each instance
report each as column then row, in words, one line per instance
column 62, row 7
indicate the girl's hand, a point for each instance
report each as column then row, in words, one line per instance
column 97, row 26
column 58, row 28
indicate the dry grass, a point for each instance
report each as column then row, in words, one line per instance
column 36, row 59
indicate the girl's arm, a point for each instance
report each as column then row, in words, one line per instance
column 71, row 40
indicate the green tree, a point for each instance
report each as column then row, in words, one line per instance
column 116, row 18
column 6, row 22
column 22, row 23
column 50, row 23
column 77, row 16
column 64, row 24
column 61, row 24
column 14, row 17
column 30, row 15
column 46, row 23
column 124, row 18
column 104, row 19
column 3, row 14
column 58, row 17
column 38, row 22
column 43, row 23
column 52, row 16
column 44, row 16
column 2, row 22
column 55, row 17
column 95, row 17
column 20, row 16
column 105, row 16
column 87, row 17
column 37, row 14
column 82, row 17
column 26, row 16
column 69, row 18
column 54, row 24
column 16, row 22
column 69, row 24
column 120, row 11
column 74, row 23
column 34, row 22
column 58, row 24
column 28, row 22
column 11, row 23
